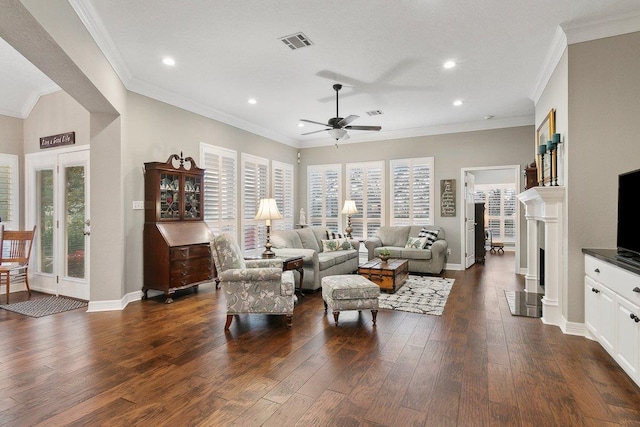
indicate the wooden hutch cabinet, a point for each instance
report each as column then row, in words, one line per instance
column 177, row 251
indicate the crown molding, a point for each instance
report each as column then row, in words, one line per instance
column 601, row 27
column 426, row 131
column 551, row 60
column 577, row 32
column 171, row 98
column 94, row 25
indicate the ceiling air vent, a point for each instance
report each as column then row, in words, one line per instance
column 374, row 112
column 296, row 41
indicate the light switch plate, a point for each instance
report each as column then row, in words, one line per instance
column 138, row 204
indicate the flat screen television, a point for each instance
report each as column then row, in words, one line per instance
column 628, row 239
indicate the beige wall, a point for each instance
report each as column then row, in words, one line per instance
column 451, row 152
column 604, row 124
column 156, row 130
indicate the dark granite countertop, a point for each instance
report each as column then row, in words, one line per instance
column 611, row 256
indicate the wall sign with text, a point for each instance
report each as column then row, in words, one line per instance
column 447, row 197
column 68, row 138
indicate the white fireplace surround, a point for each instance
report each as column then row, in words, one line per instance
column 545, row 205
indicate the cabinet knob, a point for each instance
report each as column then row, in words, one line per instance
column 635, row 318
column 595, row 291
column 636, row 289
column 597, row 270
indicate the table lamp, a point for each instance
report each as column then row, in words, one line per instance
column 349, row 208
column 267, row 211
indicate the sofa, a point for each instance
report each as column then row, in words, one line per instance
column 396, row 240
column 320, row 256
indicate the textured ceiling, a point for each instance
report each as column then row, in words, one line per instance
column 389, row 56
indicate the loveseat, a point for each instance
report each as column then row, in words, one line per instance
column 320, row 256
column 421, row 260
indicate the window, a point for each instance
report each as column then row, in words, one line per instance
column 282, row 190
column 412, row 189
column 365, row 185
column 255, row 186
column 220, row 188
column 9, row 191
column 324, row 189
column 500, row 209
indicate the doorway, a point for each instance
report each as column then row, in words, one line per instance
column 57, row 195
column 496, row 175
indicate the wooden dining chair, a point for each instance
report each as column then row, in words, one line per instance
column 15, row 250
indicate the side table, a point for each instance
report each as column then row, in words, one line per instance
column 294, row 263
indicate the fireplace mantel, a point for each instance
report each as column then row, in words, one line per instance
column 545, row 205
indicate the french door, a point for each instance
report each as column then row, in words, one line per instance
column 57, row 194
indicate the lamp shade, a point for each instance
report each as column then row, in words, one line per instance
column 349, row 207
column 268, row 210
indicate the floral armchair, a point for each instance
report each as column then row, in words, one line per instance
column 252, row 286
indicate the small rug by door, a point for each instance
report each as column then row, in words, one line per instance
column 40, row 307
column 419, row 294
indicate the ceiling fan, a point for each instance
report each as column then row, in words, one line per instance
column 337, row 126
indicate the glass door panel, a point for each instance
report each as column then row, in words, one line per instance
column 75, row 229
column 45, row 221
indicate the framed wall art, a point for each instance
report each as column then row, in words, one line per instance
column 543, row 158
column 447, row 197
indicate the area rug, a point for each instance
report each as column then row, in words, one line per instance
column 419, row 294
column 41, row 307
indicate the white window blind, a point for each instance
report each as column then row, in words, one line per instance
column 365, row 185
column 282, row 190
column 220, row 188
column 324, row 189
column 500, row 209
column 9, row 191
column 255, row 186
column 412, row 191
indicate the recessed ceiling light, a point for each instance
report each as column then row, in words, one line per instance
column 449, row 64
column 169, row 61
column 252, row 101
column 300, row 125
column 457, row 102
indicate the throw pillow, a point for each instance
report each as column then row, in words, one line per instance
column 431, row 236
column 332, row 245
column 331, row 235
column 415, row 242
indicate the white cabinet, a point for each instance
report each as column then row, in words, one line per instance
column 612, row 312
column 600, row 306
column 627, row 342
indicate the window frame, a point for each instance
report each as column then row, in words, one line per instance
column 12, row 189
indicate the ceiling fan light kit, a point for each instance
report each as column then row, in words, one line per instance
column 337, row 126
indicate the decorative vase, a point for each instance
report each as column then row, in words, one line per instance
column 383, row 258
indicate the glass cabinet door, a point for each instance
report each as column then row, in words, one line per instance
column 192, row 208
column 169, row 196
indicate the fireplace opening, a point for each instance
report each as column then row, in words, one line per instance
column 541, row 268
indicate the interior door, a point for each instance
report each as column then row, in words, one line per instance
column 57, row 194
column 470, row 220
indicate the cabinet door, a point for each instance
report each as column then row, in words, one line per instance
column 606, row 316
column 591, row 313
column 628, row 337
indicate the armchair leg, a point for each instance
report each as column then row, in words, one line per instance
column 374, row 314
column 229, row 319
column 289, row 319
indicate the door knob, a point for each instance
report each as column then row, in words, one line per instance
column 86, row 233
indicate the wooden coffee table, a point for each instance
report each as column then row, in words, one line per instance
column 390, row 275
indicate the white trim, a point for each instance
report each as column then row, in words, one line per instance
column 113, row 305
column 551, row 60
column 601, row 27
column 573, row 328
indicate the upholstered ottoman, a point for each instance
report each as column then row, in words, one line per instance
column 350, row 292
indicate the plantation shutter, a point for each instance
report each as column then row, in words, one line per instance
column 9, row 190
column 412, row 188
column 324, row 189
column 500, row 203
column 220, row 186
column 366, row 187
column 255, row 186
column 282, row 179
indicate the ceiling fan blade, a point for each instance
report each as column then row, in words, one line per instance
column 347, row 120
column 363, row 127
column 315, row 123
column 315, row 131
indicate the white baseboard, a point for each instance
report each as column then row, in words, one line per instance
column 112, row 305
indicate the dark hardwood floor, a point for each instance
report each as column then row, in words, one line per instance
column 154, row 364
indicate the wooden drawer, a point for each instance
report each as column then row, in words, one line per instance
column 194, row 277
column 192, row 251
column 190, row 264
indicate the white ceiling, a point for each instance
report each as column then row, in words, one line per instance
column 389, row 55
